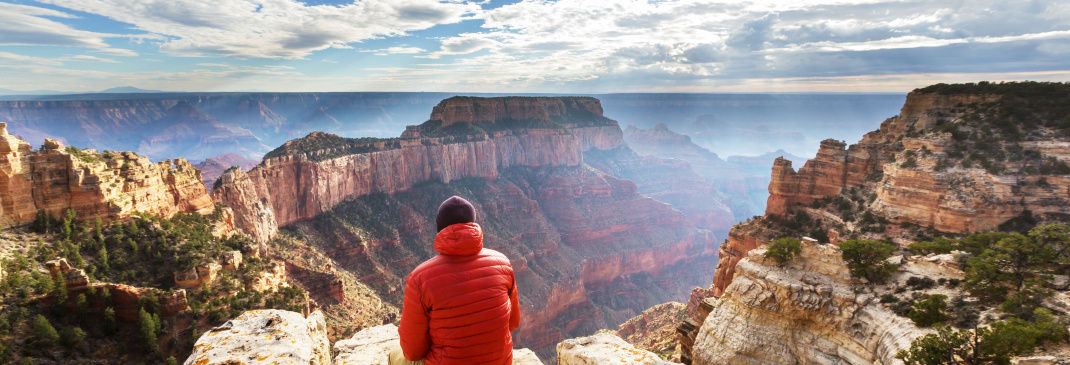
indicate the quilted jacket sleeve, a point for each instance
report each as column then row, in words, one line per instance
column 514, row 315
column 415, row 328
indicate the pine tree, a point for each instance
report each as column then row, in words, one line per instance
column 148, row 331
column 44, row 334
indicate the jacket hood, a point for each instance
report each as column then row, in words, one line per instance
column 459, row 239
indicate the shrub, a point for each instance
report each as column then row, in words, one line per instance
column 920, row 283
column 44, row 335
column 930, row 311
column 866, row 259
column 72, row 336
column 783, row 250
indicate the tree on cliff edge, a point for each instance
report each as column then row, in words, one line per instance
column 866, row 259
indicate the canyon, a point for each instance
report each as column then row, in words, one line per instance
column 589, row 249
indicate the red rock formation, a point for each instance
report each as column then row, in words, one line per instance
column 490, row 110
column 108, row 185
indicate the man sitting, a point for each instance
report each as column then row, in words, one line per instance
column 460, row 306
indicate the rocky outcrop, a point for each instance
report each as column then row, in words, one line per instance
column 604, row 348
column 809, row 312
column 109, row 185
column 265, row 336
column 372, row 346
column 655, row 329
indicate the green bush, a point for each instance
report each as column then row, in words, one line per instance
column 72, row 336
column 783, row 250
column 866, row 259
column 44, row 335
column 930, row 311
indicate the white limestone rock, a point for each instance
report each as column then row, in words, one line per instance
column 372, row 346
column 265, row 337
column 603, row 348
column 810, row 312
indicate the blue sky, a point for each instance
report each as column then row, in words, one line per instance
column 566, row 46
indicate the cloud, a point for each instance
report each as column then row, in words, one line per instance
column 286, row 29
column 88, row 58
column 575, row 43
column 463, row 44
column 396, row 50
column 22, row 25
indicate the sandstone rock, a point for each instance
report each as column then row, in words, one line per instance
column 231, row 260
column 806, row 312
column 173, row 302
column 654, row 329
column 265, row 336
column 1034, row 360
column 109, row 186
column 269, row 280
column 371, row 346
column 603, row 348
column 57, row 266
column 367, row 347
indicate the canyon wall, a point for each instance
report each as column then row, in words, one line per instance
column 110, row 185
column 947, row 198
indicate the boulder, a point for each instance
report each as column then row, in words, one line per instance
column 265, row 337
column 371, row 346
column 604, row 348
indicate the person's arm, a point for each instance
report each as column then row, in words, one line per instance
column 514, row 301
column 415, row 327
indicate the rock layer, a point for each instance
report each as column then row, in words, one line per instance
column 110, row 185
column 805, row 313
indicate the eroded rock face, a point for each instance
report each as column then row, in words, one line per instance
column 955, row 199
column 655, row 328
column 109, row 185
column 805, row 313
column 265, row 336
column 604, row 348
column 291, row 188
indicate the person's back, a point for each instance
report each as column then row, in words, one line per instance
column 460, row 306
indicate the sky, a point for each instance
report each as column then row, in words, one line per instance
column 532, row 46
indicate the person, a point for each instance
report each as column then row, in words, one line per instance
column 460, row 306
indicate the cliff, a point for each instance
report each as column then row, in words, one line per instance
column 513, row 109
column 110, row 185
column 809, row 312
column 956, row 163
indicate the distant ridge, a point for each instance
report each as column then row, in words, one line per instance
column 128, row 90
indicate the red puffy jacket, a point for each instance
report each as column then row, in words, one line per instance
column 460, row 306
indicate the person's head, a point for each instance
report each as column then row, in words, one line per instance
column 454, row 210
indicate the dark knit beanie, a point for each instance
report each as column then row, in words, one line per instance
column 455, row 210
